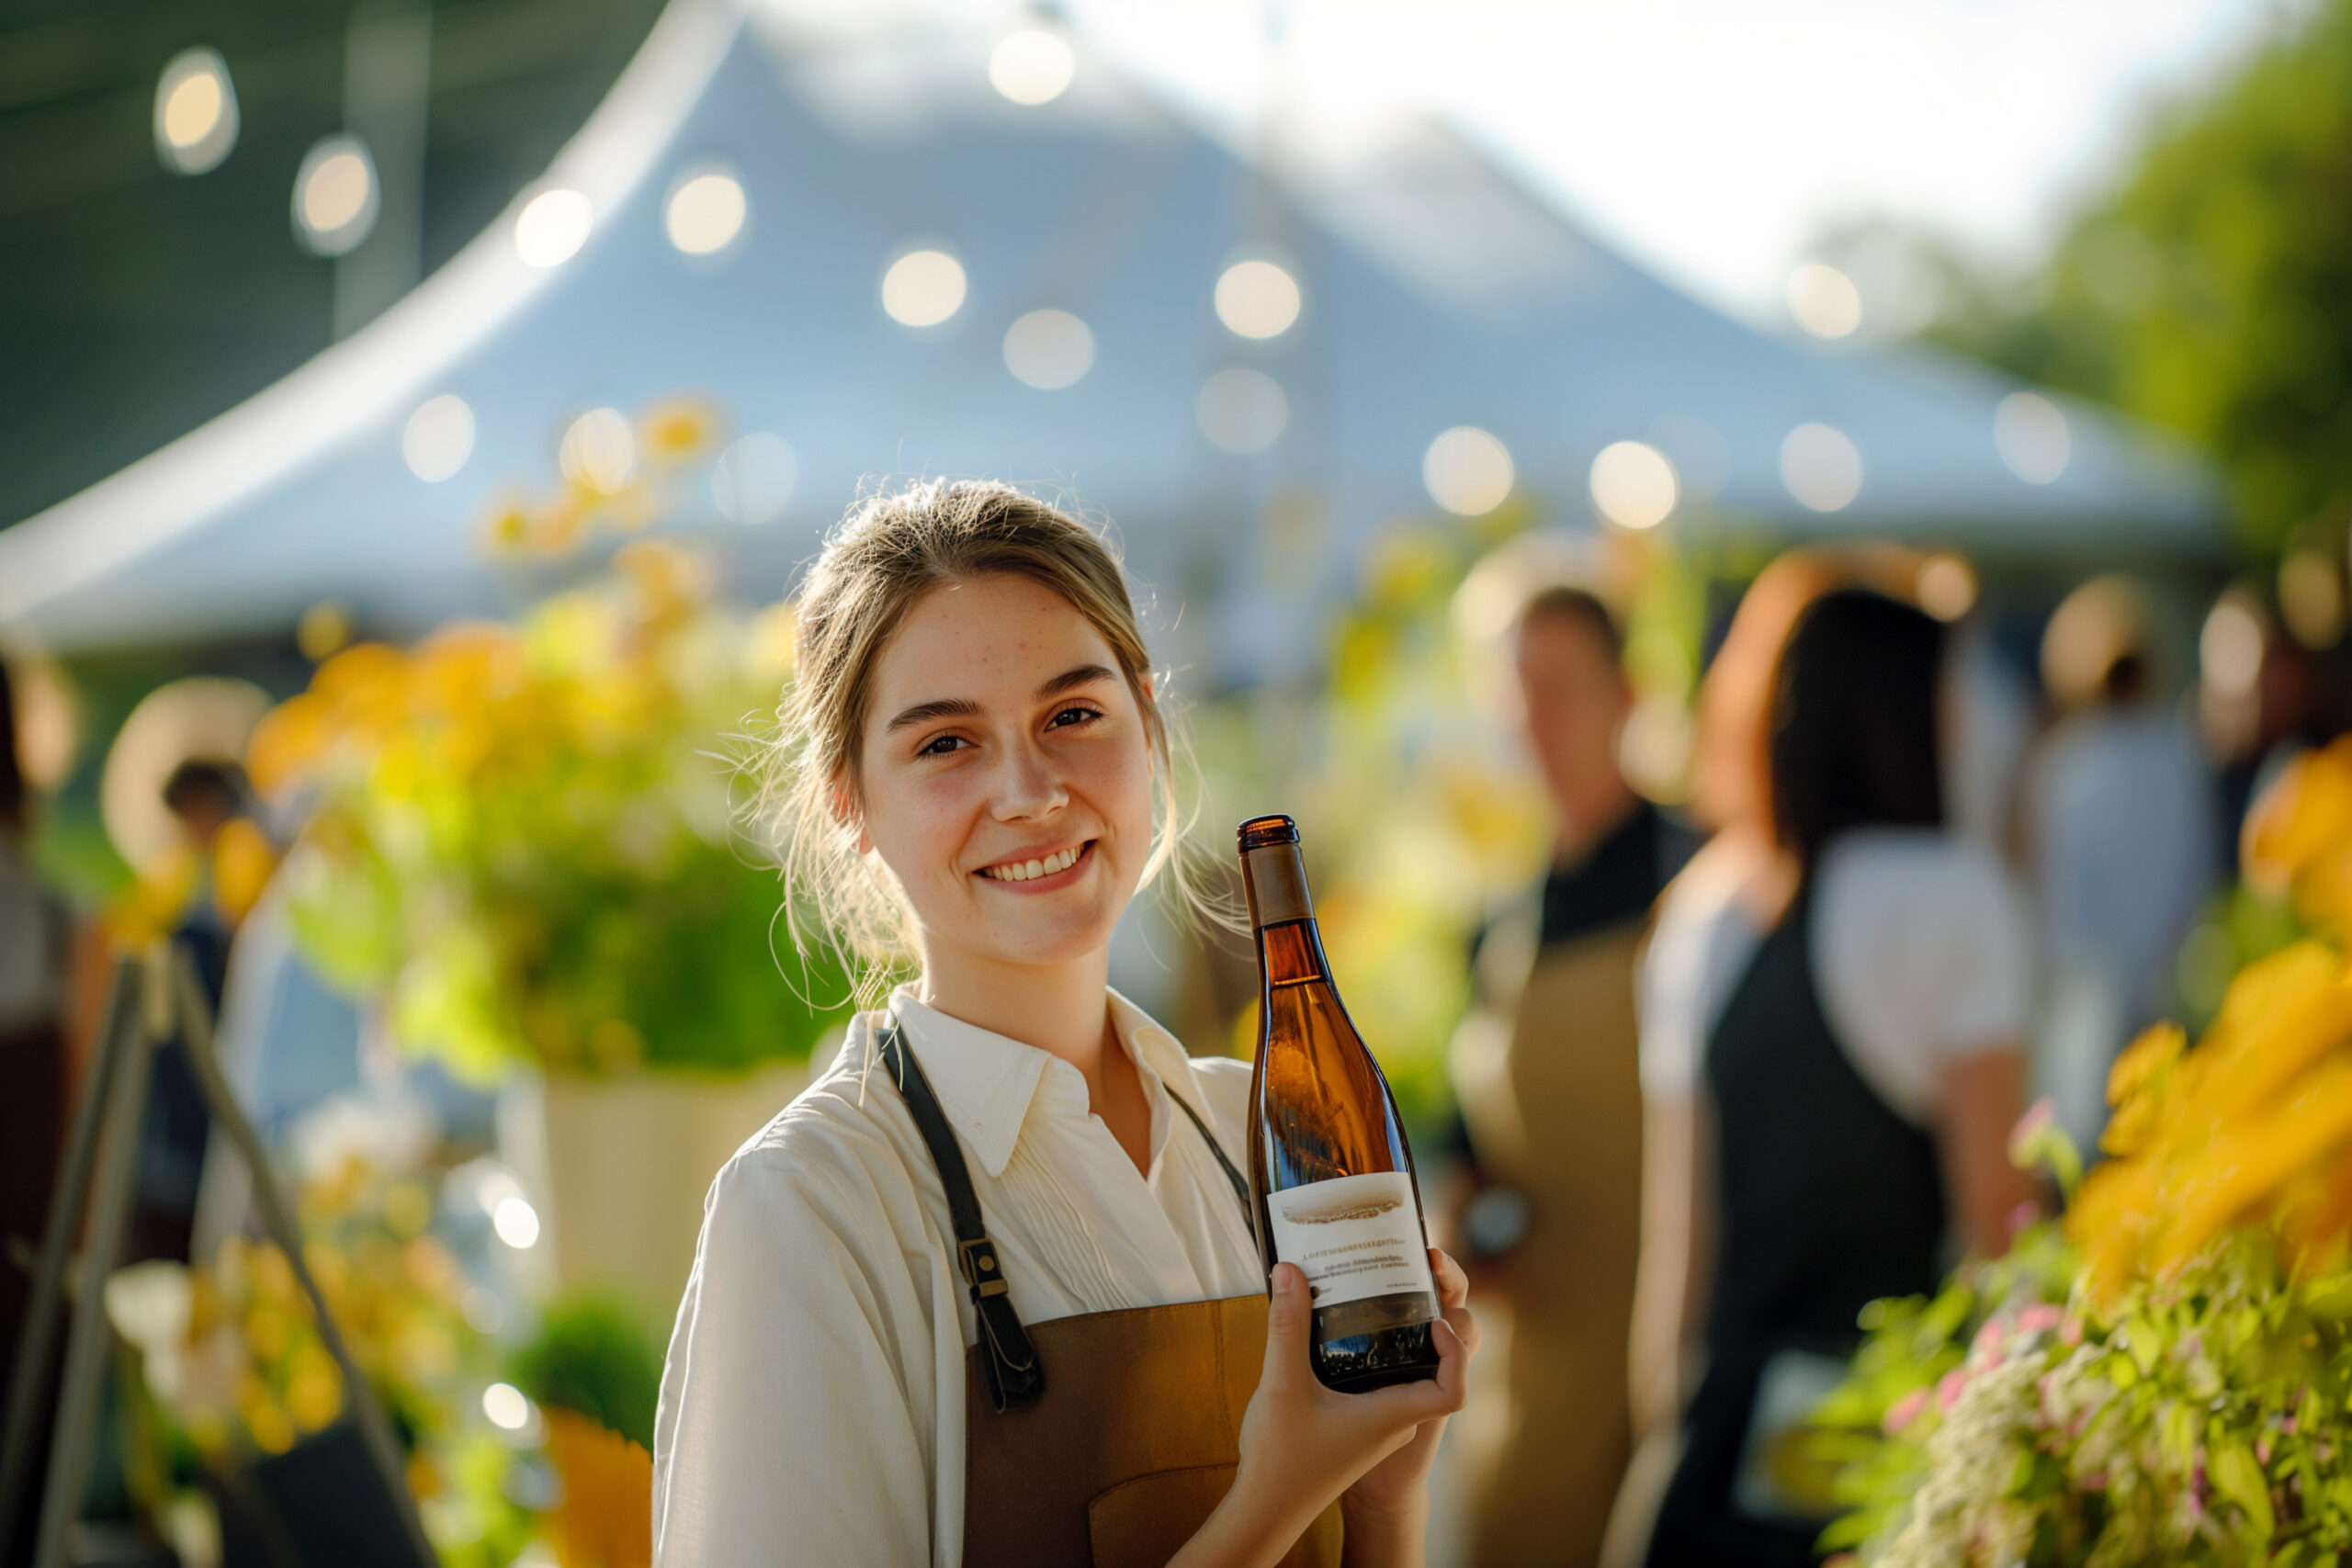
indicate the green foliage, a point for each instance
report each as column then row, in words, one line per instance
column 2198, row 1420
column 524, row 839
column 592, row 1354
column 2209, row 290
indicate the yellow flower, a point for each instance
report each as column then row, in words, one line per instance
column 677, row 430
column 606, row 1519
column 243, row 859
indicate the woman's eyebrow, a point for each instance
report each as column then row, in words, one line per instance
column 923, row 713
column 1084, row 675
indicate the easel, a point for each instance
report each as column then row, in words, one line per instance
column 153, row 998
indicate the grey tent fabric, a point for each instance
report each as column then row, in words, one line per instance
column 1437, row 292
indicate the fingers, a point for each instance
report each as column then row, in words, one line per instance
column 1464, row 1324
column 1431, row 1397
column 1452, row 1284
column 1288, row 1312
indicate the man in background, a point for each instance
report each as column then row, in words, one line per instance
column 1546, row 1075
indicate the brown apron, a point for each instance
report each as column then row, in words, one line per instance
column 1557, row 1112
column 1102, row 1440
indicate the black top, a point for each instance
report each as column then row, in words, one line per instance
column 1828, row 1198
column 1618, row 879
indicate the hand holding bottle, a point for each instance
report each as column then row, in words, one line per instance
column 1303, row 1445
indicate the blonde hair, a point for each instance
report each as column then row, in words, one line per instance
column 887, row 554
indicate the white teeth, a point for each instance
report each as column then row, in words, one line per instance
column 1023, row 870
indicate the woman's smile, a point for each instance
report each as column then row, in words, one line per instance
column 1041, row 872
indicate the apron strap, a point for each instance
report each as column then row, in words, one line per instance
column 1015, row 1379
column 1240, row 1187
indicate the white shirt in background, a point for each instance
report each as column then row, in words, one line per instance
column 812, row 1403
column 1920, row 958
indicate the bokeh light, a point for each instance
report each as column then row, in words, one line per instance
column 1257, row 299
column 2310, row 599
column 706, row 212
column 755, row 478
column 196, row 112
column 1821, row 466
column 552, row 227
column 517, row 1224
column 2229, row 650
column 1633, row 484
column 507, row 1406
column 1947, row 586
column 324, row 631
column 923, row 289
column 2031, row 434
column 1241, row 410
column 1467, row 472
column 1032, row 67
column 1825, row 301
column 439, row 437
column 1049, row 349
column 599, row 451
column 335, row 197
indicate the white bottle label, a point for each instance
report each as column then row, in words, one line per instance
column 1353, row 1237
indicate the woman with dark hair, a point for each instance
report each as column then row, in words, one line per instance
column 1859, row 1080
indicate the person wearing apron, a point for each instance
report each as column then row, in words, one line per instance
column 1545, row 1074
column 1862, row 1075
column 987, row 1292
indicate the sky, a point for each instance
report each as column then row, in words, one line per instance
column 1711, row 140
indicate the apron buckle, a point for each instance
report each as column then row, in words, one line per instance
column 981, row 1271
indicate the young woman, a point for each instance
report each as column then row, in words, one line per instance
column 1846, row 1096
column 987, row 1292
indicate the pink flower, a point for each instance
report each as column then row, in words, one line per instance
column 2040, row 1316
column 1905, row 1411
column 2287, row 1426
column 2072, row 1334
column 1988, row 1339
column 1948, row 1391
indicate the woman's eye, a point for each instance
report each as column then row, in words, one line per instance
column 940, row 746
column 1074, row 714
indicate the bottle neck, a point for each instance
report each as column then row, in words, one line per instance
column 1290, row 948
column 1290, row 953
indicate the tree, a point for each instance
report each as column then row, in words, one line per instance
column 2208, row 291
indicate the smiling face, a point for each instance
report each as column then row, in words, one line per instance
column 1004, row 775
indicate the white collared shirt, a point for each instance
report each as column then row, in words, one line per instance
column 812, row 1404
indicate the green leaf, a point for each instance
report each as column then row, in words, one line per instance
column 2238, row 1477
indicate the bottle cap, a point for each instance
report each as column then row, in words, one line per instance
column 1260, row 832
column 1272, row 875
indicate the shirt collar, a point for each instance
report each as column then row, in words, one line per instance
column 985, row 1081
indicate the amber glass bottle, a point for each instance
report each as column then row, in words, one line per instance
column 1330, row 1166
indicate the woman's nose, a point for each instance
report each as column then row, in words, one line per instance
column 1027, row 784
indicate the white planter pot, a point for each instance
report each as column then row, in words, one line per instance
column 618, row 1169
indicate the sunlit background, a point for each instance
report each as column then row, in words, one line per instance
column 427, row 409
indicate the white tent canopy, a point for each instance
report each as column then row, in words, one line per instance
column 1436, row 293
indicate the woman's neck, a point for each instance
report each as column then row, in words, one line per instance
column 1061, row 1009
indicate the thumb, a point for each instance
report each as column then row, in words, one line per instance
column 1289, row 1311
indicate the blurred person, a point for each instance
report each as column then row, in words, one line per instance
column 972, row 700
column 1839, row 1087
column 210, row 804
column 2118, row 818
column 37, row 953
column 1545, row 1075
column 2263, row 698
